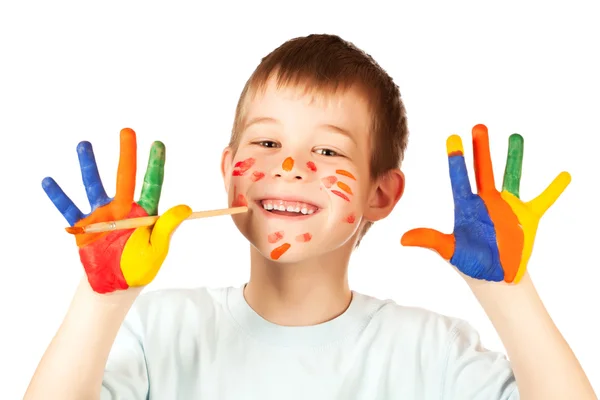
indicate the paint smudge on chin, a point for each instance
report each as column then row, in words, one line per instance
column 311, row 165
column 256, row 176
column 344, row 187
column 351, row 218
column 241, row 167
column 239, row 200
column 288, row 164
column 278, row 251
column 275, row 237
column 305, row 237
column 345, row 173
column 342, row 195
column 328, row 181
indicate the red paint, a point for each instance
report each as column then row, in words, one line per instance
column 257, row 176
column 241, row 167
column 311, row 165
column 275, row 237
column 305, row 237
column 278, row 251
column 342, row 195
column 101, row 258
column 351, row 218
column 239, row 200
column 328, row 181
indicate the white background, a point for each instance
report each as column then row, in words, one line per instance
column 173, row 72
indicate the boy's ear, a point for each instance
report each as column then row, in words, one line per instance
column 226, row 160
column 387, row 192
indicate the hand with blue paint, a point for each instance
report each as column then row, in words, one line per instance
column 494, row 231
column 120, row 259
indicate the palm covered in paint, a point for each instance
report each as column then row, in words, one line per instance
column 126, row 258
column 494, row 231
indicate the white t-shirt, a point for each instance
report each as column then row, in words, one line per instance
column 209, row 344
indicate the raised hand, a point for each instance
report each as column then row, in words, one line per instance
column 127, row 258
column 494, row 231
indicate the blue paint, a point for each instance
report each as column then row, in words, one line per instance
column 91, row 181
column 476, row 251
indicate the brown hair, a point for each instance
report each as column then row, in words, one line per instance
column 326, row 64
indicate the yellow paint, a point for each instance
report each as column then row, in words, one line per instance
column 454, row 145
column 147, row 248
column 530, row 213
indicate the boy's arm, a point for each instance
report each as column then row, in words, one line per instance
column 73, row 365
column 542, row 361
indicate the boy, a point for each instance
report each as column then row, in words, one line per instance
column 318, row 139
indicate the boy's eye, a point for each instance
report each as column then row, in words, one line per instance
column 327, row 152
column 267, row 143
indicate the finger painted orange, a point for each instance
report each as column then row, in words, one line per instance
column 288, row 164
column 305, row 237
column 275, row 237
column 340, row 194
column 344, row 187
column 311, row 165
column 345, row 173
column 278, row 251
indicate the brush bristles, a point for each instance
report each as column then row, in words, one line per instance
column 75, row 230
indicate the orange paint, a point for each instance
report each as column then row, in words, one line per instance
column 342, row 195
column 442, row 243
column 311, row 165
column 288, row 164
column 257, row 176
column 305, row 237
column 275, row 237
column 345, row 173
column 328, row 181
column 278, row 251
column 351, row 218
column 344, row 187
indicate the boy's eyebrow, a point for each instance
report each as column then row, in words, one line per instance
column 261, row 120
column 270, row 120
column 339, row 130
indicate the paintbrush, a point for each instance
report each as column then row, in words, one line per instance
column 132, row 223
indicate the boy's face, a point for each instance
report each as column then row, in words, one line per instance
column 302, row 168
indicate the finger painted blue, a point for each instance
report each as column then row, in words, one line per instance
column 476, row 248
column 91, row 177
column 61, row 201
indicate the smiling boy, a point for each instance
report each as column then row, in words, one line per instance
column 319, row 135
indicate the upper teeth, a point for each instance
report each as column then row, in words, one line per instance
column 281, row 205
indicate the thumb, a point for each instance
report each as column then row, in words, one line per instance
column 166, row 225
column 430, row 239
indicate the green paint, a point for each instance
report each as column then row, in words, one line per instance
column 153, row 180
column 514, row 165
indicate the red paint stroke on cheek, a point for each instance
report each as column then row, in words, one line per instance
column 101, row 258
column 278, row 251
column 257, row 176
column 241, row 167
column 275, row 237
column 351, row 218
column 328, row 181
column 239, row 200
column 311, row 165
column 344, row 187
column 288, row 164
column 342, row 195
column 345, row 173
column 305, row 237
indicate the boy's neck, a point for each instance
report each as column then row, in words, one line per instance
column 299, row 294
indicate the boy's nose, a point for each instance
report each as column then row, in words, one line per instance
column 289, row 170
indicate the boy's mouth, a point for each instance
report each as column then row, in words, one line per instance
column 288, row 208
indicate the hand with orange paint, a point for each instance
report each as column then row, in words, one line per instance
column 120, row 259
column 494, row 231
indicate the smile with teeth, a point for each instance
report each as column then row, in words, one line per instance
column 288, row 206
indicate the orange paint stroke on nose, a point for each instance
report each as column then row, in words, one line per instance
column 257, row 175
column 328, row 181
column 305, row 237
column 345, row 173
column 311, row 165
column 342, row 195
column 288, row 164
column 344, row 187
column 278, row 251
column 275, row 237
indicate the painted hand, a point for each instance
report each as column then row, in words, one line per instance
column 494, row 231
column 127, row 258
